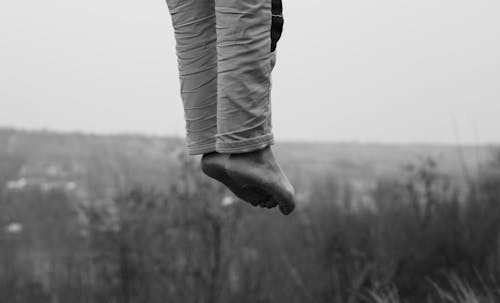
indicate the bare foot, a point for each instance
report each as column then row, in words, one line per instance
column 254, row 177
column 259, row 169
column 213, row 165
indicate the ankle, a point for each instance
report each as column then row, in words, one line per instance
column 256, row 154
column 208, row 155
column 209, row 162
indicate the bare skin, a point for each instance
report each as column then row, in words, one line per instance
column 254, row 177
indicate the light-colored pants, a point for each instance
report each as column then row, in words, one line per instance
column 226, row 52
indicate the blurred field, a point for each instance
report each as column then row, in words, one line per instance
column 86, row 218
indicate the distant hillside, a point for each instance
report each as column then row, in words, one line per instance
column 97, row 166
column 373, row 159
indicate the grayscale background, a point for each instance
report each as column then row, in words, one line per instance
column 386, row 116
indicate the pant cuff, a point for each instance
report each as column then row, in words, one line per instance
column 200, row 149
column 246, row 145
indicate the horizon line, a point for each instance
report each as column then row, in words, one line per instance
column 4, row 128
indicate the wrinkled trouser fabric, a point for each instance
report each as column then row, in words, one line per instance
column 226, row 53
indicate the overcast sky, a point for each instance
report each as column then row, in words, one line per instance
column 363, row 70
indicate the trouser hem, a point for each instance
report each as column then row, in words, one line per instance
column 202, row 149
column 246, row 145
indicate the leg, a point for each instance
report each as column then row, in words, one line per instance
column 195, row 34
column 194, row 25
column 247, row 32
column 244, row 75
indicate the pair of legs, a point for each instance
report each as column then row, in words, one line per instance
column 226, row 52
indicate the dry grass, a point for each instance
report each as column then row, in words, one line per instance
column 457, row 291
